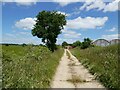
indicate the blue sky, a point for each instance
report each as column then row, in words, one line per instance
column 94, row 20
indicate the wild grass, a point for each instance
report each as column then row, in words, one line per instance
column 0, row 66
column 102, row 62
column 28, row 66
column 71, row 64
column 76, row 79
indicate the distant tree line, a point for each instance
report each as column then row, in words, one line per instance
column 8, row 44
column 83, row 45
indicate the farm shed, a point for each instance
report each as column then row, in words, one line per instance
column 115, row 41
column 101, row 42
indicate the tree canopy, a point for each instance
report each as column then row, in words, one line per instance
column 64, row 44
column 48, row 26
column 86, row 43
column 77, row 43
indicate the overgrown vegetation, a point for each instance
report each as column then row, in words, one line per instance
column 77, row 43
column 64, row 44
column 0, row 66
column 76, row 79
column 86, row 43
column 102, row 62
column 28, row 66
column 83, row 45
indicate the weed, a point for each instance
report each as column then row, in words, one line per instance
column 71, row 64
column 76, row 79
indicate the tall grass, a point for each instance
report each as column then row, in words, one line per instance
column 102, row 62
column 28, row 66
column 0, row 66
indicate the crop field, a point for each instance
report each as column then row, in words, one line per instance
column 28, row 66
column 102, row 62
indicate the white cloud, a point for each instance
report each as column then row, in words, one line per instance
column 66, row 2
column 21, row 40
column 86, row 23
column 94, row 4
column 113, row 6
column 6, row 0
column 63, row 13
column 110, row 37
column 100, row 5
column 22, row 37
column 26, row 24
column 70, row 34
column 112, row 29
column 9, row 35
column 22, row 2
column 68, row 40
column 78, row 23
column 76, row 11
column 86, row 3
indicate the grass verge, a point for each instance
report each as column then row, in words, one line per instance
column 28, row 66
column 102, row 62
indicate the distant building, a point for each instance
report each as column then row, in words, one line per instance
column 115, row 41
column 101, row 42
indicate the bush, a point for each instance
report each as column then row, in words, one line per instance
column 77, row 43
column 64, row 44
column 86, row 43
column 24, row 44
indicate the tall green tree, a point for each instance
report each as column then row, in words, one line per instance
column 48, row 26
column 77, row 43
column 86, row 43
column 64, row 44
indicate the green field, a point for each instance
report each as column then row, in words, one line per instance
column 28, row 66
column 102, row 62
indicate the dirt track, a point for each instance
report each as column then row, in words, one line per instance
column 71, row 74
